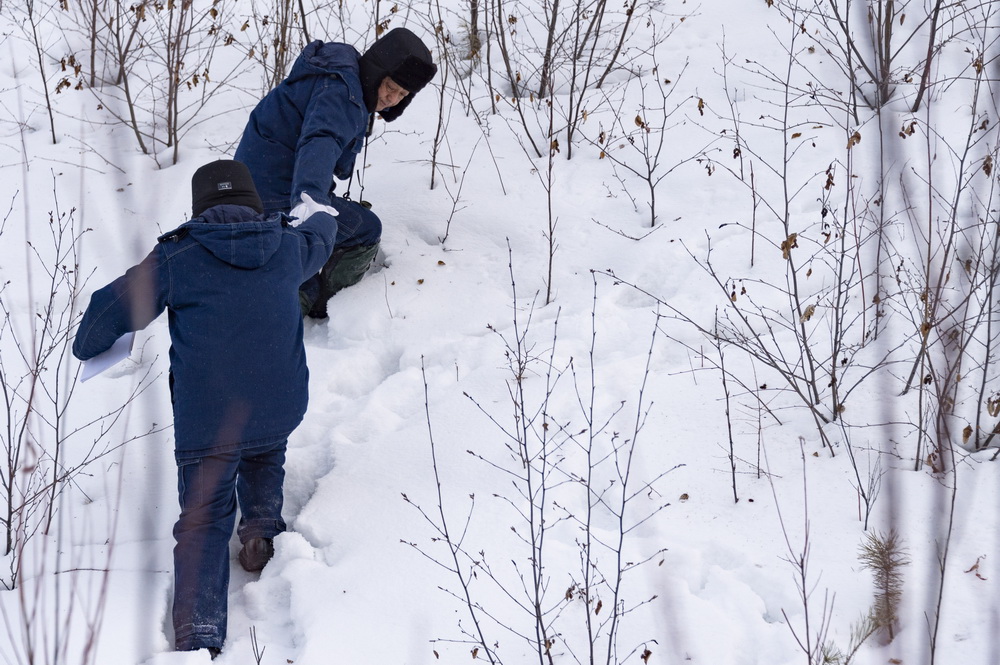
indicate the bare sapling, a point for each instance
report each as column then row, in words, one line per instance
column 814, row 236
column 258, row 651
column 950, row 278
column 547, row 178
column 728, row 411
column 459, row 57
column 280, row 31
column 868, row 481
column 811, row 635
column 460, row 562
column 455, row 193
column 597, row 37
column 561, row 481
column 32, row 16
column 945, row 501
column 39, row 387
column 90, row 21
column 638, row 144
column 156, row 67
column 442, row 40
column 562, row 55
column 184, row 41
column 743, row 398
column 604, row 559
column 504, row 29
column 534, row 446
column 50, row 441
column 879, row 47
column 121, row 42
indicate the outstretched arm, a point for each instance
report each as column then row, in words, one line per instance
column 329, row 126
column 127, row 304
column 318, row 234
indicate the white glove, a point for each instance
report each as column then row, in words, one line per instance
column 308, row 208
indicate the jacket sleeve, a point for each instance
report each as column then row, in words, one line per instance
column 328, row 130
column 345, row 165
column 125, row 305
column 318, row 234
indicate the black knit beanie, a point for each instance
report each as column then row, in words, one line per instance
column 223, row 181
column 400, row 55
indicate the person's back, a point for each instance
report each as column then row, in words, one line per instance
column 229, row 280
column 237, row 357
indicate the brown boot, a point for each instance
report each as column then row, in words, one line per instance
column 256, row 553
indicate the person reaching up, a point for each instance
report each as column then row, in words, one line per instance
column 309, row 130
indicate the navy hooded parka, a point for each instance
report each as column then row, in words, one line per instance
column 309, row 128
column 229, row 280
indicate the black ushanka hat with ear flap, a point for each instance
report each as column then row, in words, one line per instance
column 400, row 55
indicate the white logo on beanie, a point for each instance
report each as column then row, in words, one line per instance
column 224, row 186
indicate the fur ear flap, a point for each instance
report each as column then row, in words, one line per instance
column 394, row 112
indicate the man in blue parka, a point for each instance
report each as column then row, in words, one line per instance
column 311, row 127
column 229, row 280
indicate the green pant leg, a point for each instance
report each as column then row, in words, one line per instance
column 345, row 268
column 351, row 267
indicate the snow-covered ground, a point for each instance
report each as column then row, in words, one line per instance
column 412, row 383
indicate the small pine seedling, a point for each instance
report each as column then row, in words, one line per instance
column 884, row 555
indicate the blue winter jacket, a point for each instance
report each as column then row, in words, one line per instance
column 229, row 280
column 309, row 128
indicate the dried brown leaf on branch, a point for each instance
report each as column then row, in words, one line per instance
column 788, row 245
column 975, row 568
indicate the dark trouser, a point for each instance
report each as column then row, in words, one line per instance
column 358, row 233
column 356, row 223
column 209, row 489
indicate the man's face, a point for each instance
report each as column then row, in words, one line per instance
column 390, row 93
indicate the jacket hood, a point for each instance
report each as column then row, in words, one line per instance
column 325, row 58
column 237, row 234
